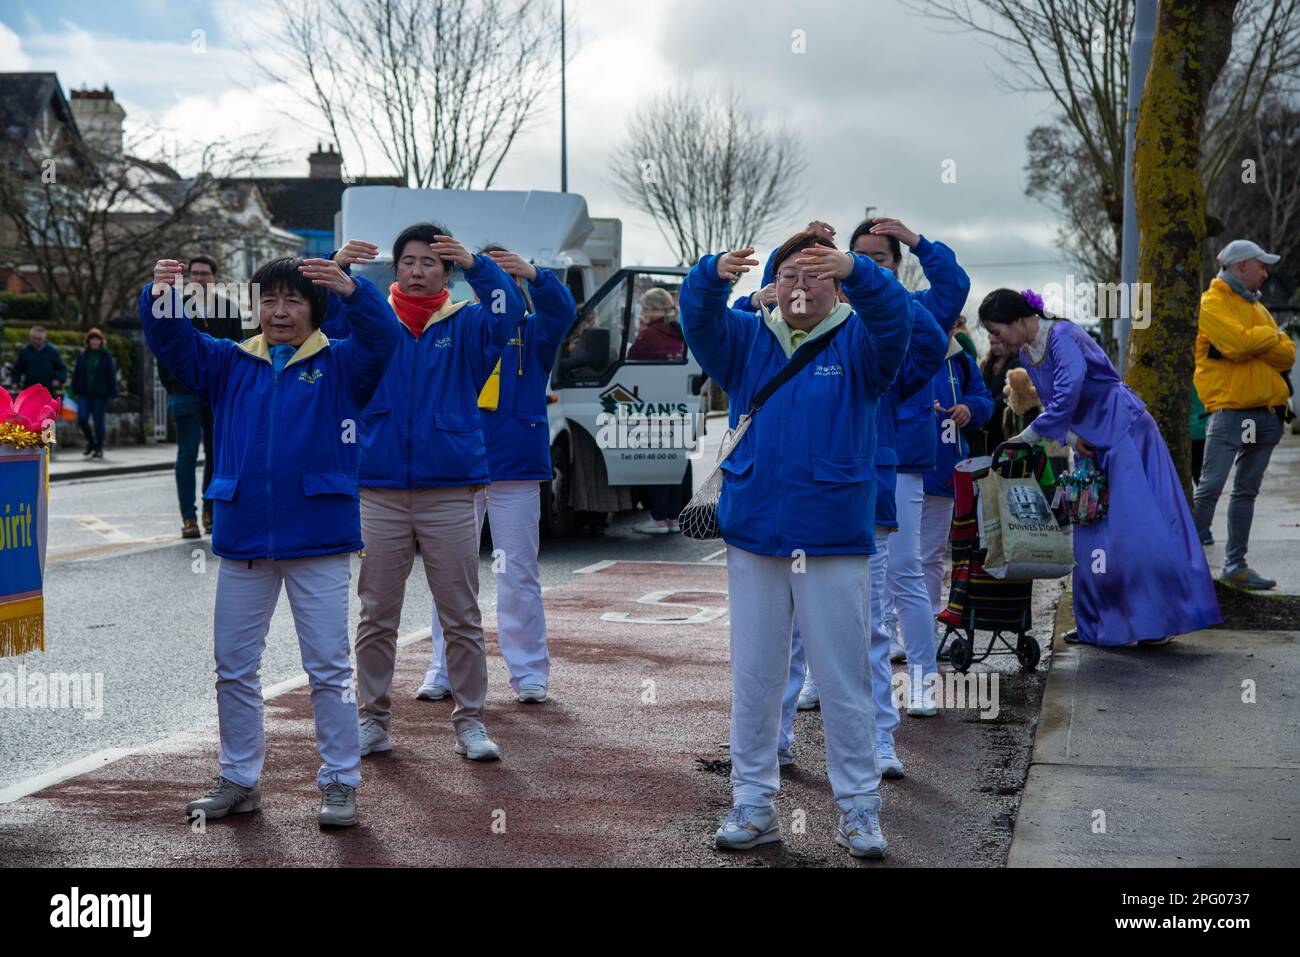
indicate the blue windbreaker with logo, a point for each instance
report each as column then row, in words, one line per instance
column 287, row 480
column 516, row 431
column 422, row 428
column 802, row 476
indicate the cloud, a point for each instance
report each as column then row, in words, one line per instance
column 12, row 55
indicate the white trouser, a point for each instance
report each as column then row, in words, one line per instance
column 906, row 586
column 247, row 593
column 827, row 596
column 514, row 510
column 936, row 527
column 882, row 672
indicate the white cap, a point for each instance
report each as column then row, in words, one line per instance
column 1240, row 250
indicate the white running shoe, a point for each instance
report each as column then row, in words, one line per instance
column 374, row 739
column 652, row 527
column 531, row 694
column 432, row 692
column 860, row 832
column 477, row 746
column 747, row 826
column 809, row 699
column 887, row 757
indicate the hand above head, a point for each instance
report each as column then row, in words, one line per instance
column 824, row 262
column 447, row 247
column 895, row 228
column 825, row 230
column 514, row 264
column 328, row 273
column 731, row 266
column 765, row 296
column 166, row 273
column 356, row 251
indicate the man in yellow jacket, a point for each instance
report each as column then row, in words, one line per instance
column 1241, row 357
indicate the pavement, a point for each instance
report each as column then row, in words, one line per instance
column 1185, row 755
column 69, row 464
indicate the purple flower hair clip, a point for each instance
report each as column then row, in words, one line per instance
column 1033, row 298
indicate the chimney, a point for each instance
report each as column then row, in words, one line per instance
column 325, row 165
column 99, row 118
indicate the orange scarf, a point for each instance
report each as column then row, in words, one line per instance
column 415, row 311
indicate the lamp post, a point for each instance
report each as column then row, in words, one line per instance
column 564, row 111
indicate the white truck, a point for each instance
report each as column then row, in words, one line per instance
column 617, row 426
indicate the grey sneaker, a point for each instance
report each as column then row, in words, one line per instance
column 747, row 826
column 784, row 757
column 887, row 757
column 374, row 739
column 226, row 798
column 531, row 694
column 338, row 805
column 432, row 692
column 859, row 830
column 477, row 746
column 1246, row 578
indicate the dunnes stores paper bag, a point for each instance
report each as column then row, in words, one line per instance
column 1019, row 531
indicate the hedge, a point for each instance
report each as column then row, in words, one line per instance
column 33, row 307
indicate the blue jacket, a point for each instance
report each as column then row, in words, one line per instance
column 802, row 477
column 925, row 354
column 518, row 439
column 945, row 299
column 286, row 485
column 422, row 428
column 958, row 380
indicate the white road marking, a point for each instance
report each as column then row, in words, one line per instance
column 703, row 613
column 718, row 554
column 108, row 756
column 110, row 533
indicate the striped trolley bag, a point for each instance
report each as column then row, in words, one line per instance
column 977, row 601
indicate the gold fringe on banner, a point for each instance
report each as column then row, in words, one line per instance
column 22, row 627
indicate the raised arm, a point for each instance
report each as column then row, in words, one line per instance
column 949, row 284
column 925, row 353
column 373, row 326
column 194, row 359
column 554, row 313
column 718, row 337
column 501, row 305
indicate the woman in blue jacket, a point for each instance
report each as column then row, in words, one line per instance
column 286, row 502
column 961, row 400
column 906, row 599
column 512, row 407
column 796, row 512
column 423, row 461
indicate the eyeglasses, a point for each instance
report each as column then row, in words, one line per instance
column 791, row 277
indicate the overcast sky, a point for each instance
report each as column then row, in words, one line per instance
column 882, row 98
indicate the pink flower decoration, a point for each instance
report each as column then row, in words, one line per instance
column 34, row 409
column 1033, row 298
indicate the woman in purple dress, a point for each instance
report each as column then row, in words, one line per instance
column 1140, row 575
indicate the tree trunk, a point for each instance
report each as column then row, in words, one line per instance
column 1192, row 42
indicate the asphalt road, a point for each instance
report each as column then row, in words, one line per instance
column 127, row 599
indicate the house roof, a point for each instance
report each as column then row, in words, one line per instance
column 23, row 96
column 299, row 202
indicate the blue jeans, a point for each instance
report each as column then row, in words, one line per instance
column 187, row 412
column 88, row 409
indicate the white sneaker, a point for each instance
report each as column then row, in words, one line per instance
column 921, row 711
column 887, row 757
column 896, row 650
column 860, row 832
column 747, row 826
column 809, row 699
column 652, row 527
column 432, row 692
column 477, row 746
column 374, row 739
column 531, row 694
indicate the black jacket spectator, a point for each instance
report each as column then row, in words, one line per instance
column 102, row 383
column 39, row 367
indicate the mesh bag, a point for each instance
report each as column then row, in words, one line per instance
column 699, row 519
